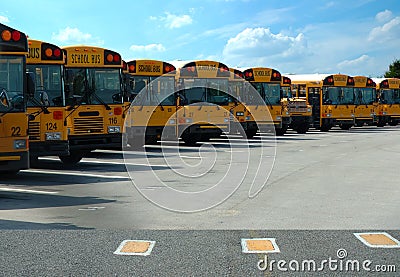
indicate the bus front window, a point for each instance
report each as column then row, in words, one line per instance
column 11, row 84
column 47, row 79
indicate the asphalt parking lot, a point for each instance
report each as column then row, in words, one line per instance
column 309, row 193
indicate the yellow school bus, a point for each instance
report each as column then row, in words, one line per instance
column 364, row 100
column 14, row 86
column 47, row 133
column 300, row 112
column 331, row 97
column 152, row 84
column 202, row 88
column 388, row 109
column 267, row 82
column 94, row 99
column 239, row 113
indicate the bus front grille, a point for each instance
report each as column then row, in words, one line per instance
column 88, row 125
column 34, row 130
column 299, row 106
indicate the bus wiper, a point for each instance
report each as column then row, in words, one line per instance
column 101, row 101
column 43, row 107
column 158, row 101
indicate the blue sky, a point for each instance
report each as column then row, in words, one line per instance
column 360, row 37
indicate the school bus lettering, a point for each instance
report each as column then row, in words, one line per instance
column 208, row 67
column 262, row 73
column 340, row 78
column 15, row 131
column 96, row 59
column 85, row 59
column 34, row 53
column 149, row 68
column 394, row 82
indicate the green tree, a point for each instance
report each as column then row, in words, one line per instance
column 394, row 70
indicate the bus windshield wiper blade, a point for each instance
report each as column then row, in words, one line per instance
column 101, row 101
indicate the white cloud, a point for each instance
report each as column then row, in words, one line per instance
column 384, row 16
column 4, row 19
column 356, row 63
column 261, row 43
column 173, row 21
column 71, row 35
column 388, row 31
column 148, row 48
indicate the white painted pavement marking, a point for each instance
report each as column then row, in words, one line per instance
column 27, row 191
column 75, row 174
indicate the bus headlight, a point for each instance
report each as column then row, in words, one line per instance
column 328, row 115
column 308, row 110
column 278, row 118
column 20, row 144
column 352, row 115
column 189, row 120
column 172, row 121
column 239, row 113
column 226, row 119
column 248, row 117
column 53, row 136
column 287, row 113
column 114, row 129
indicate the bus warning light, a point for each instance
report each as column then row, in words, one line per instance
column 48, row 52
column 6, row 35
column 16, row 36
column 109, row 58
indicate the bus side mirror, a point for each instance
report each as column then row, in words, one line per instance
column 30, row 84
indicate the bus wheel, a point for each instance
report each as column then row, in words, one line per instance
column 191, row 139
column 359, row 124
column 302, row 129
column 393, row 123
column 72, row 159
column 250, row 133
column 325, row 128
column 345, row 126
column 33, row 161
column 280, row 131
column 151, row 140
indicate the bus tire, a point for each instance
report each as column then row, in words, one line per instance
column 325, row 128
column 72, row 159
column 250, row 133
column 191, row 139
column 302, row 129
column 345, row 126
column 280, row 131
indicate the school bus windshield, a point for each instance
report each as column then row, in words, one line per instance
column 286, row 92
column 11, row 84
column 364, row 96
column 94, row 85
column 390, row 96
column 48, row 79
column 206, row 90
column 153, row 90
column 271, row 93
column 338, row 95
